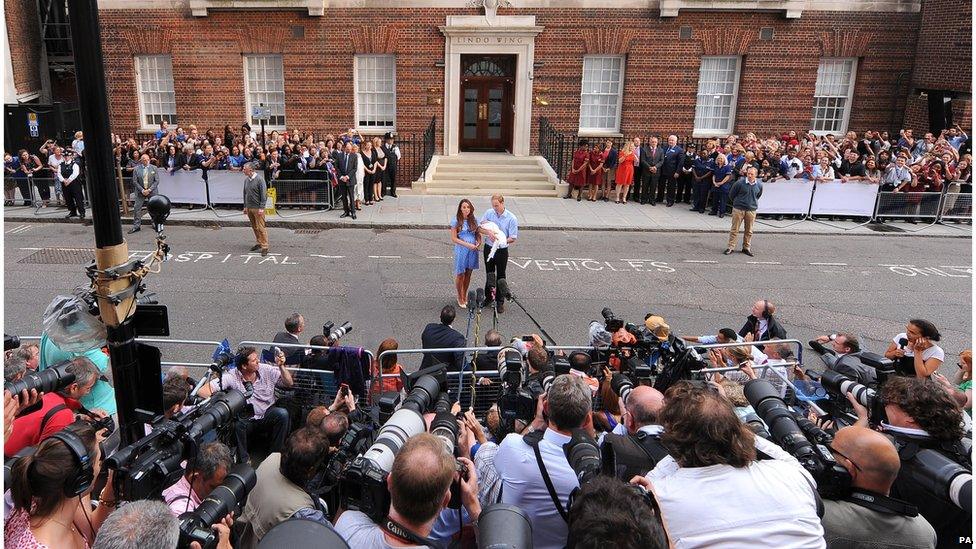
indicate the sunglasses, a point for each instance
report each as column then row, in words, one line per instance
column 836, row 451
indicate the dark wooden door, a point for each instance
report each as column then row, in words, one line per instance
column 486, row 111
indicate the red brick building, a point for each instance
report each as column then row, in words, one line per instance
column 630, row 67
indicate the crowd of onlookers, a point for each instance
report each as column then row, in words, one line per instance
column 690, row 442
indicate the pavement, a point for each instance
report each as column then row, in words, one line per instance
column 434, row 212
column 392, row 282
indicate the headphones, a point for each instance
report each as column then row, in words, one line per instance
column 766, row 314
column 81, row 481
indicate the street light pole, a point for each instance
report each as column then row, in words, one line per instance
column 112, row 249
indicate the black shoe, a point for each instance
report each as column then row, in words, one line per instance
column 579, row 198
column 501, row 307
column 255, row 247
column 567, row 197
column 394, row 196
column 264, row 252
column 712, row 213
column 727, row 252
column 720, row 216
column 70, row 215
column 670, row 204
column 748, row 252
column 345, row 214
column 653, row 203
column 693, row 209
column 354, row 215
column 134, row 230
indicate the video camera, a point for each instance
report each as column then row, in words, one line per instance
column 800, row 437
column 230, row 495
column 333, row 332
column 519, row 394
column 143, row 469
column 362, row 484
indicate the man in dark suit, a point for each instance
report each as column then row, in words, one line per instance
column 145, row 182
column 652, row 156
column 294, row 325
column 674, row 157
column 442, row 336
column 346, row 165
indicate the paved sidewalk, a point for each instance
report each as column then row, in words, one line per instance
column 434, row 212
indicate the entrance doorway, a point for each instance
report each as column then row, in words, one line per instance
column 487, row 109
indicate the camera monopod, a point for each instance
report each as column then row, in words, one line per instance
column 506, row 293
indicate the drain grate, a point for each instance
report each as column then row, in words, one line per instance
column 307, row 231
column 60, row 256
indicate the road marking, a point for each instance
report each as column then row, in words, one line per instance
column 436, row 257
column 697, row 261
column 764, row 262
column 830, row 264
column 19, row 229
column 328, row 256
column 384, row 257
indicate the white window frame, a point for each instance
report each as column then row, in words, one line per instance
column 719, row 132
column 845, row 119
column 357, row 91
column 602, row 131
column 140, row 97
column 247, row 93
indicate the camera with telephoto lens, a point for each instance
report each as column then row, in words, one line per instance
column 621, row 386
column 333, row 332
column 838, row 386
column 808, row 446
column 225, row 498
column 936, row 473
column 362, row 484
column 47, row 380
column 519, row 395
column 10, row 342
column 147, row 466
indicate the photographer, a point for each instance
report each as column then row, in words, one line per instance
column 147, row 524
column 761, row 325
column 203, row 473
column 525, row 462
column 262, row 378
column 57, row 409
column 913, row 351
column 922, row 415
column 420, row 488
column 279, row 493
column 869, row 517
column 609, row 513
column 443, row 336
column 50, row 490
column 847, row 348
column 771, row 503
column 639, row 449
column 14, row 368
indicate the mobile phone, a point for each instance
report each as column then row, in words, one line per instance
column 528, row 338
column 343, row 389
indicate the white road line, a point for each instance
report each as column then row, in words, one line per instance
column 19, row 229
column 384, row 257
column 764, row 262
column 436, row 257
column 212, row 253
column 581, row 259
column 830, row 264
column 328, row 256
column 697, row 261
column 252, row 253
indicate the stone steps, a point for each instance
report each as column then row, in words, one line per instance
column 488, row 173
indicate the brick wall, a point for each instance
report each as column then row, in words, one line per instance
column 661, row 75
column 945, row 48
column 24, row 34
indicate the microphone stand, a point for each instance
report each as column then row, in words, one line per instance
column 511, row 297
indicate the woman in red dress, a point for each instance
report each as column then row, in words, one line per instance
column 625, row 171
column 578, row 174
column 597, row 158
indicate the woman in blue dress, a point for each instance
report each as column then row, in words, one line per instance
column 467, row 244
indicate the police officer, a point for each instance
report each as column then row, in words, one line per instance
column 69, row 174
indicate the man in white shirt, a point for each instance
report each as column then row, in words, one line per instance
column 567, row 405
column 712, row 490
column 54, row 164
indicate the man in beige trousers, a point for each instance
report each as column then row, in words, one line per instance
column 255, row 196
column 744, row 196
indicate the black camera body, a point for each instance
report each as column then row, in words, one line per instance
column 364, row 489
column 230, row 495
column 335, row 333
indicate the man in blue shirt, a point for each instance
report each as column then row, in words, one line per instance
column 956, row 136
column 508, row 224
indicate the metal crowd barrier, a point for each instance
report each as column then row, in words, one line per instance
column 956, row 207
column 315, row 194
column 909, row 205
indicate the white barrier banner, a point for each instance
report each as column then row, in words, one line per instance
column 183, row 187
column 786, row 197
column 852, row 198
column 226, row 187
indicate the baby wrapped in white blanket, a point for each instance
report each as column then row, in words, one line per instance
column 499, row 239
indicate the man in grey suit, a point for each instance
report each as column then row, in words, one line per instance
column 651, row 158
column 145, row 183
column 255, row 197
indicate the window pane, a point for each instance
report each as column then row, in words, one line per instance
column 375, row 84
column 600, row 92
column 717, row 81
column 265, row 85
column 835, row 84
column 157, row 99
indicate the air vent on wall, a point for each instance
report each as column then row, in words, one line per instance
column 766, row 33
column 684, row 33
column 298, row 31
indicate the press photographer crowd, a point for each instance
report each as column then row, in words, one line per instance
column 638, row 439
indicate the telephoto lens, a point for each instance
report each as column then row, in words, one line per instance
column 402, row 425
column 503, row 526
column 942, row 477
column 229, row 495
column 423, row 393
column 340, row 331
column 511, row 367
column 10, row 342
column 840, row 385
column 45, row 381
column 621, row 385
column 221, row 409
column 583, row 455
column 445, row 427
